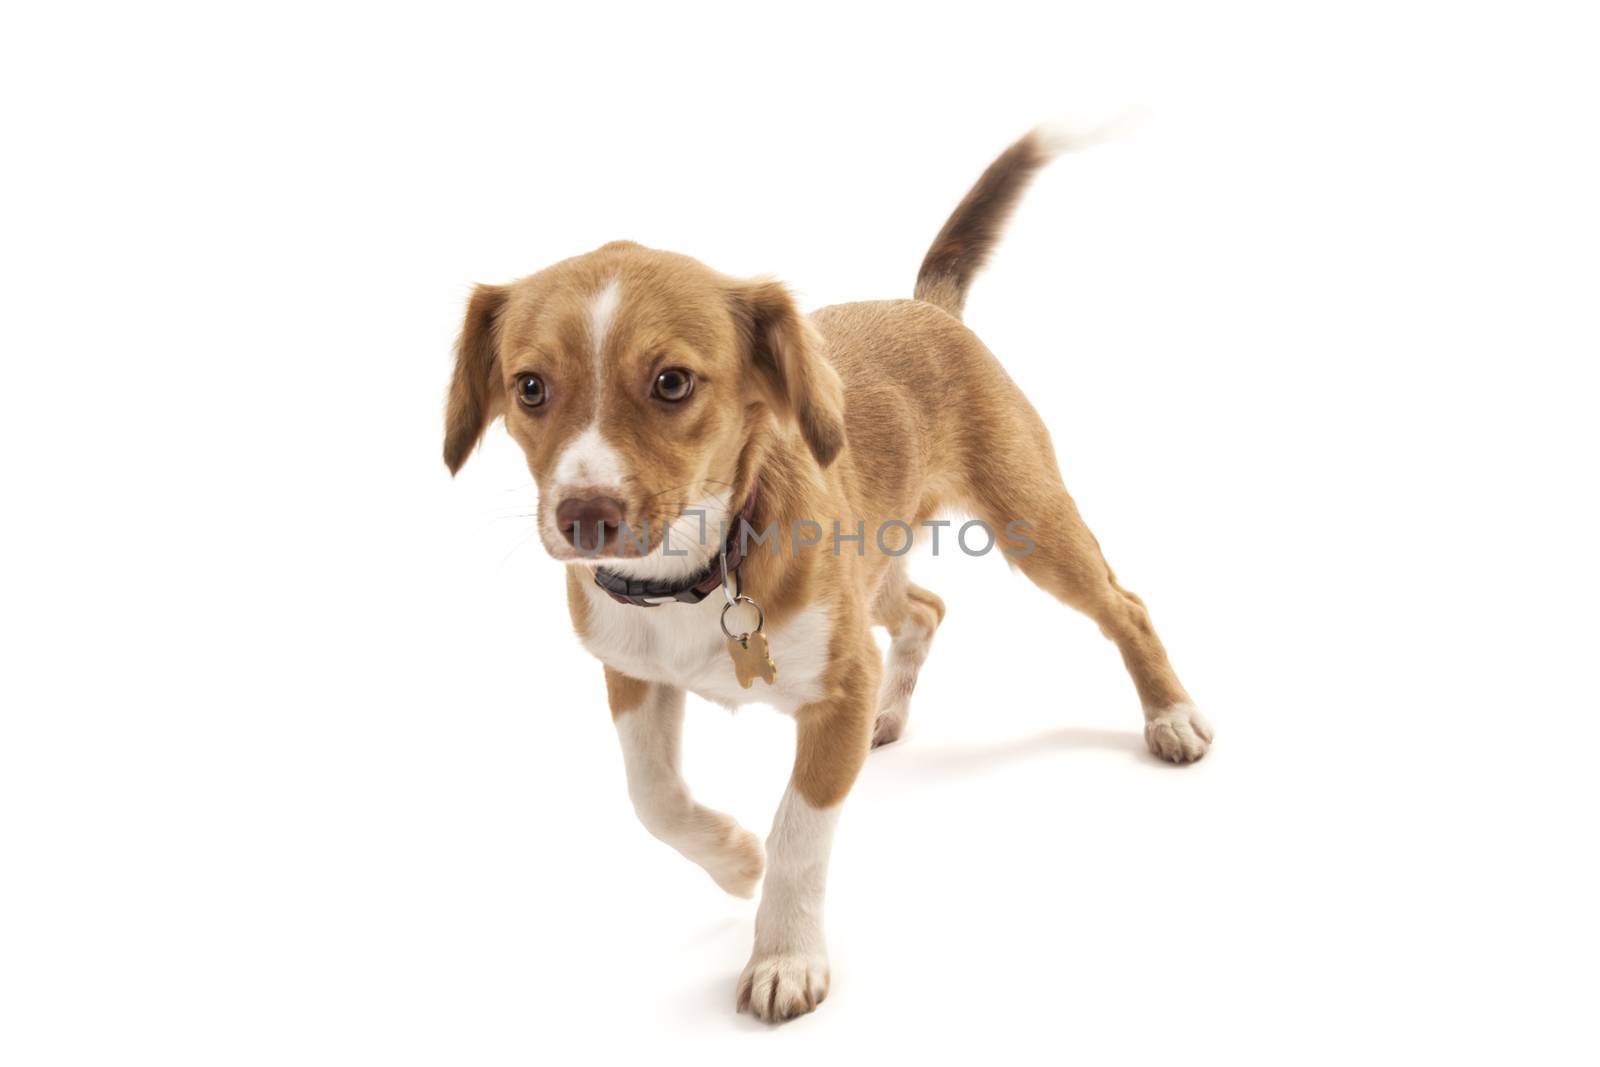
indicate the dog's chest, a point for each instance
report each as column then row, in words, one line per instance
column 683, row 645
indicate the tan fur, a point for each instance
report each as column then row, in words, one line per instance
column 623, row 693
column 863, row 413
column 474, row 402
column 577, row 607
column 973, row 229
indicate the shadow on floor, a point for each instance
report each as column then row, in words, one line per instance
column 911, row 760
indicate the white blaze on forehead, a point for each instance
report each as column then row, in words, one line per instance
column 589, row 461
column 602, row 309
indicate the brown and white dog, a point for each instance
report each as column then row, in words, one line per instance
column 657, row 400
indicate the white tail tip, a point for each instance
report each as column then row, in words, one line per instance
column 1075, row 133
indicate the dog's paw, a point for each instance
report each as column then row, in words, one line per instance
column 783, row 986
column 738, row 865
column 1178, row 734
column 889, row 725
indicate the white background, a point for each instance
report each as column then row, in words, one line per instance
column 301, row 763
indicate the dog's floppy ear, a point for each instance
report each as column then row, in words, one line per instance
column 475, row 395
column 786, row 356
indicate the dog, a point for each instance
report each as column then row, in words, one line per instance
column 662, row 406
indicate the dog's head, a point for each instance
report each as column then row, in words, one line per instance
column 637, row 382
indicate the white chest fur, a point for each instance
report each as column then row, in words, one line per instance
column 683, row 645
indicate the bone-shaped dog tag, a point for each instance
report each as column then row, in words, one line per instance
column 752, row 659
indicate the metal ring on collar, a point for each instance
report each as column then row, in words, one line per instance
column 761, row 617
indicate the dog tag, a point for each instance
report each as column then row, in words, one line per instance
column 752, row 659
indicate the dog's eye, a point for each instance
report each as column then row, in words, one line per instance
column 530, row 390
column 674, row 384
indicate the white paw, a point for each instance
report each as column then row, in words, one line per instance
column 1178, row 733
column 737, row 863
column 783, row 986
column 889, row 725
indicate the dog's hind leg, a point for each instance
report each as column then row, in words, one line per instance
column 1065, row 560
column 649, row 721
column 911, row 614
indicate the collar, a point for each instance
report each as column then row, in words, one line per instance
column 646, row 593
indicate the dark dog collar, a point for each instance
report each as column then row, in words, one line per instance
column 646, row 593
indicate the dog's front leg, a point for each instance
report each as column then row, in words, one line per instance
column 649, row 720
column 788, row 972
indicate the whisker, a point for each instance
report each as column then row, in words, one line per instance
column 689, row 487
column 501, row 518
column 518, row 547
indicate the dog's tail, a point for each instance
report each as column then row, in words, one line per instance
column 973, row 229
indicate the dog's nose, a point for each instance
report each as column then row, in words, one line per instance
column 591, row 524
